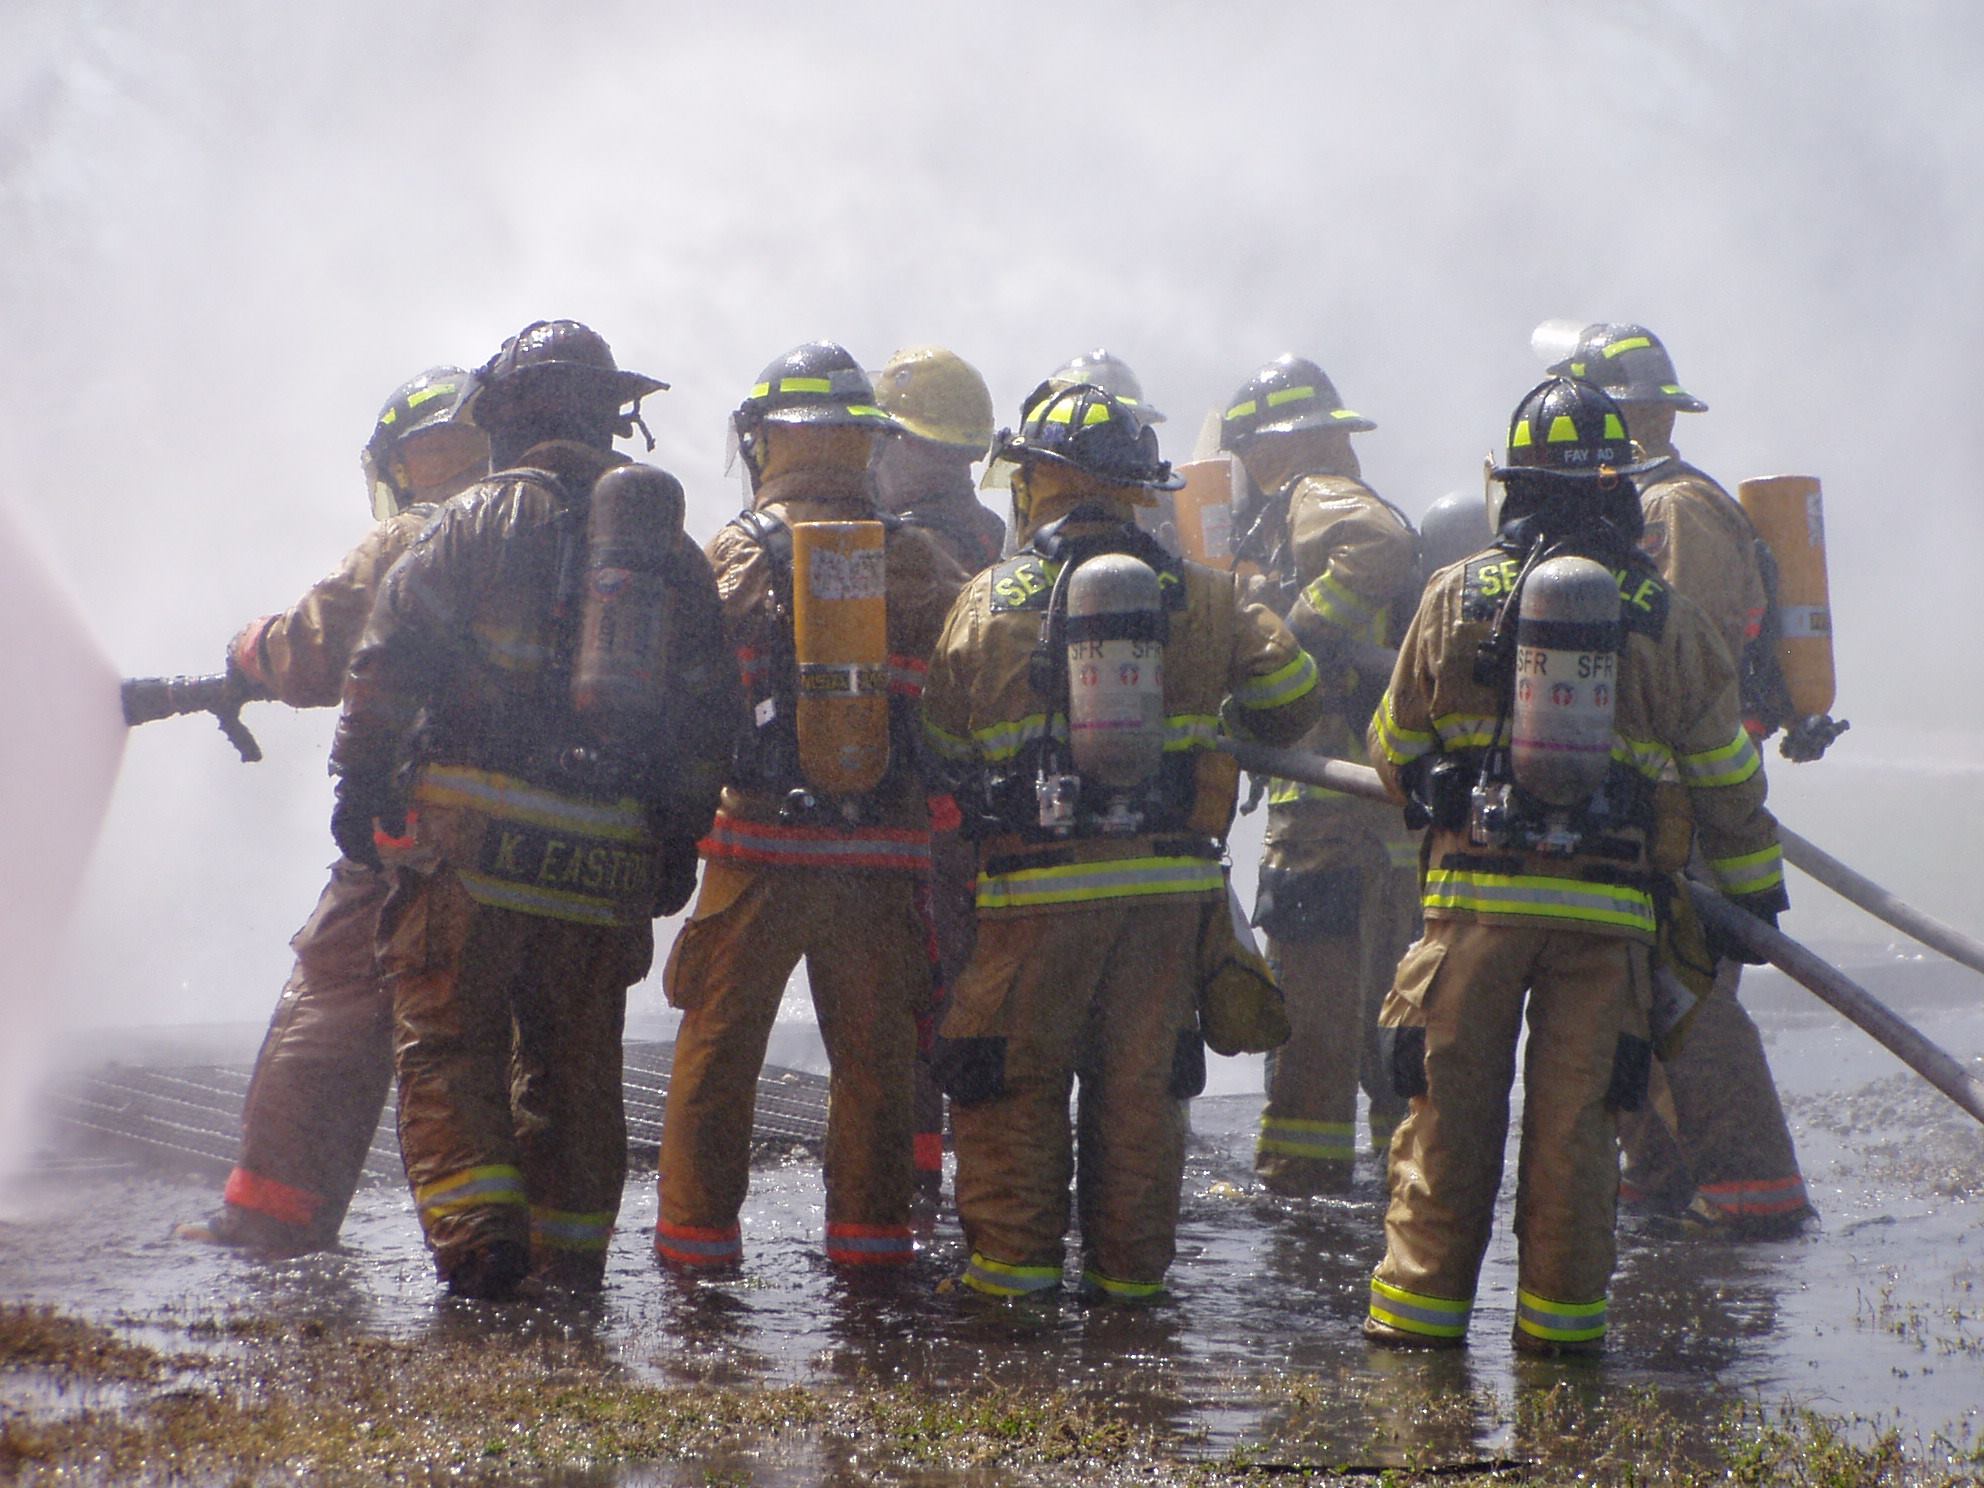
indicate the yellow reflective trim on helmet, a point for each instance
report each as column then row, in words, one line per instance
column 805, row 385
column 1289, row 395
column 1098, row 413
column 1563, row 430
column 390, row 416
column 1519, row 437
column 1631, row 343
column 865, row 410
column 761, row 389
column 1577, row 369
column 1670, row 387
column 1243, row 410
column 1614, row 427
column 429, row 394
column 1345, row 413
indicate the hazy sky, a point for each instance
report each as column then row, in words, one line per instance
column 230, row 229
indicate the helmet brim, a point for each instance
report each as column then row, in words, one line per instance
column 1348, row 420
column 1017, row 451
column 850, row 415
column 1552, row 472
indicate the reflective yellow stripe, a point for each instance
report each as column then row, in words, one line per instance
column 1117, row 878
column 1345, row 413
column 510, row 799
column 1544, row 898
column 1242, row 410
column 1128, row 1291
column 471, row 1188
column 1290, row 395
column 1399, row 744
column 1279, row 687
column 1064, row 413
column 1631, row 343
column 948, row 744
column 865, row 410
column 1320, row 1141
column 998, row 1279
column 1559, row 1322
column 1750, row 873
column 1519, row 436
column 426, row 395
column 1181, row 731
column 1459, row 731
column 555, row 904
column 1001, row 741
column 1342, row 606
column 1615, row 427
column 1415, row 1312
column 561, row 1229
column 1731, row 764
column 805, row 385
column 1648, row 756
column 1563, row 430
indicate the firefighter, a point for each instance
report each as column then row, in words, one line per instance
column 543, row 703
column 1713, row 1146
column 1339, row 882
column 1099, row 833
column 924, row 474
column 821, row 848
column 320, row 1080
column 1542, row 689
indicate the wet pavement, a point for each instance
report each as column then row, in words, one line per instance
column 1877, row 1313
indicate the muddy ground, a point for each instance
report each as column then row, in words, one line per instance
column 1851, row 1354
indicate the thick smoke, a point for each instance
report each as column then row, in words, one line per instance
column 230, row 234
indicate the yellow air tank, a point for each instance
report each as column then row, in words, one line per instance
column 1789, row 515
column 840, row 642
column 1205, row 506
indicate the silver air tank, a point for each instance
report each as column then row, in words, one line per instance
column 1115, row 640
column 1567, row 674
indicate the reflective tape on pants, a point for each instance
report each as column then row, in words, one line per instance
column 472, row 1188
column 1095, row 1284
column 562, row 1229
column 693, row 1245
column 999, row 1279
column 1322, row 1141
column 1415, row 1312
column 1559, row 1322
column 870, row 1245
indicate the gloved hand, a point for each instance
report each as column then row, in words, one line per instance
column 1728, row 948
column 1808, row 738
column 362, row 800
column 674, row 874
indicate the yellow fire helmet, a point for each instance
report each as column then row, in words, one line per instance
column 937, row 395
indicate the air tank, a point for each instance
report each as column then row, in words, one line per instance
column 840, row 641
column 1115, row 638
column 1789, row 514
column 1567, row 673
column 1204, row 508
column 620, row 665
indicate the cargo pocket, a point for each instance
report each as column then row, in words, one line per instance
column 1402, row 1056
column 1188, row 1065
column 1632, row 1063
column 685, row 978
column 970, row 1071
column 1308, row 904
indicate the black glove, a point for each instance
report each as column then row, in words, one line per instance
column 1807, row 739
column 360, row 801
column 1728, row 948
column 674, row 874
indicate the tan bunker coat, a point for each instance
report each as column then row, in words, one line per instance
column 849, row 896
column 1086, row 962
column 519, row 916
column 320, row 1079
column 1563, row 940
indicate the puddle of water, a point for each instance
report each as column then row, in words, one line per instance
column 1875, row 1313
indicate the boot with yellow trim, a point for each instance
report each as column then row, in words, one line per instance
column 1390, row 1337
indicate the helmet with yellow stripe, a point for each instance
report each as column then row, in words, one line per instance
column 1288, row 394
column 419, row 447
column 1631, row 364
column 1570, row 430
column 1106, row 370
column 817, row 383
column 1085, row 428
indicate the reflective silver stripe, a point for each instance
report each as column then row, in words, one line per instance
column 902, row 1244
column 552, row 904
column 1801, row 621
column 471, row 1189
column 1119, row 878
column 1415, row 1312
column 1730, row 764
column 1279, row 687
column 561, row 1230
column 1560, row 1322
column 1002, row 1280
column 720, row 1248
column 1544, row 898
column 517, row 800
column 1749, row 873
column 1399, row 745
column 1321, row 1141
